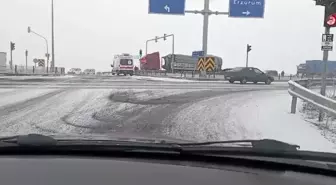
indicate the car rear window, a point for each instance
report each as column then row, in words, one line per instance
column 126, row 62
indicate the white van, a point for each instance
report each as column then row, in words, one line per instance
column 123, row 64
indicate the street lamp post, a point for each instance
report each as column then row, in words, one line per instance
column 47, row 54
column 52, row 37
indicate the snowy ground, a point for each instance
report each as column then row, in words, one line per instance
column 310, row 113
column 157, row 109
column 252, row 115
column 75, row 111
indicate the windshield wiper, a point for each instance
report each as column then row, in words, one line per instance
column 30, row 140
column 269, row 144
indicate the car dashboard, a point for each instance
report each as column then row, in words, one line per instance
column 90, row 170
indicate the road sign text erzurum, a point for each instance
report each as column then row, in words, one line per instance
column 247, row 8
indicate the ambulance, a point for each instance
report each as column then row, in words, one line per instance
column 123, row 64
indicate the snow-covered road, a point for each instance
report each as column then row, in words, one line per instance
column 137, row 107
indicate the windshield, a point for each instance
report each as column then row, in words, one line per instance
column 74, row 69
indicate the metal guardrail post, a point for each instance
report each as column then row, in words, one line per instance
column 293, row 106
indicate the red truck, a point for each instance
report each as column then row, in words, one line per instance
column 151, row 62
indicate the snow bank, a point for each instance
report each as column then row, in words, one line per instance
column 253, row 115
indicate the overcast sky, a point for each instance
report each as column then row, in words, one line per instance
column 89, row 32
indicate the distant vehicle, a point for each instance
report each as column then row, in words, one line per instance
column 186, row 63
column 89, row 72
column 123, row 64
column 151, row 62
column 75, row 71
column 317, row 67
column 247, row 74
column 273, row 73
column 3, row 62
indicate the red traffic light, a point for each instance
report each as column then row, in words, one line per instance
column 331, row 20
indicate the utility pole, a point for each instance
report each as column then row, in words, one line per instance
column 206, row 12
column 52, row 36
column 248, row 49
column 205, row 26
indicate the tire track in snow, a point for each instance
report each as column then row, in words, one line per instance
column 12, row 115
column 8, row 109
column 206, row 119
column 44, row 117
column 157, row 118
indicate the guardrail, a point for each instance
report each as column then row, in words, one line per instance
column 150, row 73
column 299, row 89
column 32, row 70
column 196, row 75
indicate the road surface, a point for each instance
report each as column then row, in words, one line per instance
column 110, row 105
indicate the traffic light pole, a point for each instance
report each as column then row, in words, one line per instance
column 247, row 58
column 11, row 56
column 163, row 37
column 324, row 74
column 46, row 41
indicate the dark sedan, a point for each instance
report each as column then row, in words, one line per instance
column 247, row 74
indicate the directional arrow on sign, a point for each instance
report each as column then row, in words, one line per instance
column 167, row 8
column 246, row 13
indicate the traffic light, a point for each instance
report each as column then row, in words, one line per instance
column 164, row 36
column 330, row 12
column 249, row 48
column 12, row 45
column 140, row 52
column 156, row 38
